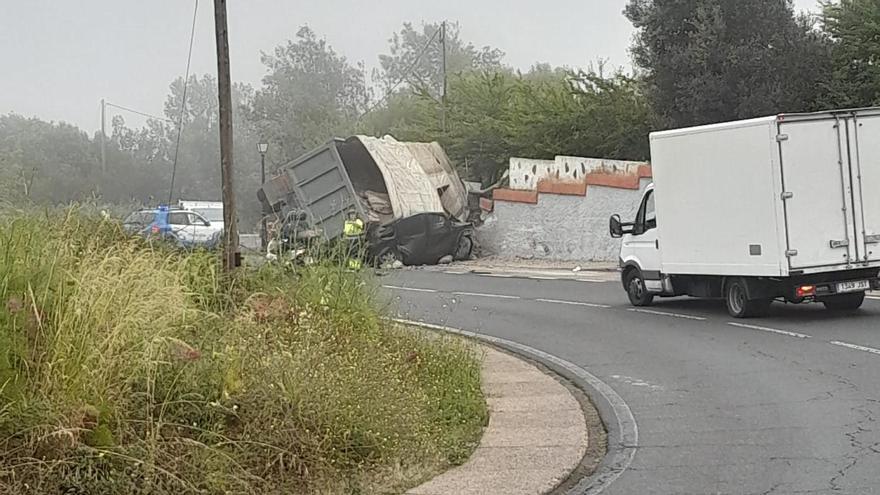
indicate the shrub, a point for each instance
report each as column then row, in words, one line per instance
column 132, row 368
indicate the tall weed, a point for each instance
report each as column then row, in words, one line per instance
column 127, row 367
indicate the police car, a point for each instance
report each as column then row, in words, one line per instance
column 184, row 228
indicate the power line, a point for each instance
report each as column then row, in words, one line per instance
column 405, row 75
column 143, row 114
column 192, row 36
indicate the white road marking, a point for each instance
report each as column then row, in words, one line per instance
column 856, row 347
column 574, row 303
column 876, row 298
column 636, row 382
column 411, row 289
column 497, row 275
column 480, row 294
column 662, row 313
column 771, row 330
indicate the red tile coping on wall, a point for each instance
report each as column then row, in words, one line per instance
column 566, row 188
column 515, row 196
column 487, row 204
column 614, row 180
column 645, row 172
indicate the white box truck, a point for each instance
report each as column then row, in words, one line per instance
column 777, row 208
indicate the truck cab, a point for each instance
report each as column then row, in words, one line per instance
column 640, row 251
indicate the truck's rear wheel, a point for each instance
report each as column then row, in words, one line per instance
column 636, row 289
column 844, row 302
column 736, row 297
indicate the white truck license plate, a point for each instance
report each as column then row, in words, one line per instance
column 854, row 286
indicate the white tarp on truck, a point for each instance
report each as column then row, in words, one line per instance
column 409, row 189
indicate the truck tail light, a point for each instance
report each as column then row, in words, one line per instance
column 806, row 291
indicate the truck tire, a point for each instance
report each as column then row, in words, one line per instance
column 844, row 302
column 736, row 298
column 635, row 287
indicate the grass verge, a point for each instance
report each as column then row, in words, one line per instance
column 132, row 368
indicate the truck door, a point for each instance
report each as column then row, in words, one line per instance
column 862, row 131
column 818, row 193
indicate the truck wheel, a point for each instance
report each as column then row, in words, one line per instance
column 844, row 302
column 636, row 290
column 738, row 303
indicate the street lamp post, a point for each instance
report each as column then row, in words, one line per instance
column 263, row 147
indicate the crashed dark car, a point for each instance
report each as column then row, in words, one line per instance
column 422, row 239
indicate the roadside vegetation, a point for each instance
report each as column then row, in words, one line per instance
column 129, row 368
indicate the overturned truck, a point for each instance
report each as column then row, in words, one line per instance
column 409, row 195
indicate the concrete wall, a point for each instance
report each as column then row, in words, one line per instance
column 561, row 227
column 526, row 173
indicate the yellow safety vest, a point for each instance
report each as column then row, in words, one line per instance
column 353, row 228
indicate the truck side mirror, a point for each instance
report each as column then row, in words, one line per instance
column 615, row 227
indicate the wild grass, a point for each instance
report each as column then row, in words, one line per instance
column 130, row 368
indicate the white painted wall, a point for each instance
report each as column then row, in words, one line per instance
column 559, row 228
column 525, row 173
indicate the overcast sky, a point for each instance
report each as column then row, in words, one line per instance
column 60, row 57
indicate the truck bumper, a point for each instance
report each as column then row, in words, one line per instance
column 836, row 287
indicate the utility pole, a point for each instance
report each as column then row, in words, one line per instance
column 263, row 147
column 231, row 254
column 443, row 96
column 103, row 137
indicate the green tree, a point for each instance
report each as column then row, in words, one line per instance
column 310, row 95
column 45, row 161
column 854, row 28
column 415, row 58
column 495, row 115
column 716, row 60
column 198, row 159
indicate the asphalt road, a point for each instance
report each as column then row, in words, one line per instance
column 787, row 405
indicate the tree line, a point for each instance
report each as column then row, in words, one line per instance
column 696, row 61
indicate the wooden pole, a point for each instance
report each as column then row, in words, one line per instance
column 443, row 68
column 103, row 138
column 231, row 254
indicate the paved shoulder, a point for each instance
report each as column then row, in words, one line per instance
column 536, row 437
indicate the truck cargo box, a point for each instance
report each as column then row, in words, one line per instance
column 775, row 196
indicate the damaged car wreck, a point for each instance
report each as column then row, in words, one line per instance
column 409, row 197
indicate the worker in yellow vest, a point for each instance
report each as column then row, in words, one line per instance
column 353, row 231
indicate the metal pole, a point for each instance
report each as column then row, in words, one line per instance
column 443, row 45
column 263, row 229
column 103, row 137
column 231, row 254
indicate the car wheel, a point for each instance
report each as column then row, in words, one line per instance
column 844, row 302
column 465, row 248
column 387, row 257
column 636, row 289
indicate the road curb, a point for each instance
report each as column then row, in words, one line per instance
column 620, row 425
